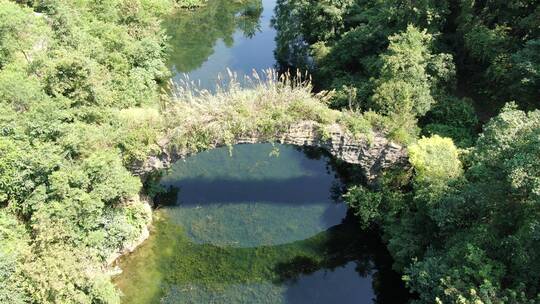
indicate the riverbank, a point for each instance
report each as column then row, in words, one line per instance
column 131, row 245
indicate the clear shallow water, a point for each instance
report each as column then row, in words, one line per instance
column 224, row 34
column 256, row 196
column 259, row 225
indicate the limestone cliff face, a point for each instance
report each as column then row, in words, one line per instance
column 372, row 155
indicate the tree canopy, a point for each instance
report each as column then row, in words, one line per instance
column 78, row 92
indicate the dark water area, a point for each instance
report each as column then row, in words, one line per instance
column 255, row 197
column 258, row 223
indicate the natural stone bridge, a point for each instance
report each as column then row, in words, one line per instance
column 372, row 155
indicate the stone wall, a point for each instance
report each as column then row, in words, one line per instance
column 372, row 155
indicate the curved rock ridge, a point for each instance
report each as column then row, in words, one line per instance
column 373, row 154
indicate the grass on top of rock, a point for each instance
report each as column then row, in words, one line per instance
column 264, row 106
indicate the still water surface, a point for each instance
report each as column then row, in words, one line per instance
column 237, row 35
column 261, row 225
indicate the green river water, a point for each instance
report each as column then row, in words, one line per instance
column 258, row 224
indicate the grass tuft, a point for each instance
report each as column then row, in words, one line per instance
column 261, row 105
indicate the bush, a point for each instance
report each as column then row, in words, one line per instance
column 199, row 120
column 454, row 118
column 435, row 160
column 366, row 205
column 71, row 75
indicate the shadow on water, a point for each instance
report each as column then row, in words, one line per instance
column 356, row 269
column 195, row 191
column 264, row 241
column 341, row 265
column 325, row 177
column 251, row 227
column 278, row 174
column 238, row 198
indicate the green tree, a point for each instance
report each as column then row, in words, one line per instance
column 497, row 43
column 490, row 219
column 19, row 35
column 435, row 160
column 405, row 90
column 73, row 79
column 404, row 85
column 454, row 118
column 14, row 248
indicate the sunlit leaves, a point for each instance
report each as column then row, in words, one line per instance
column 68, row 203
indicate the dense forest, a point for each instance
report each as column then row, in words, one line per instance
column 82, row 103
column 79, row 85
column 462, row 225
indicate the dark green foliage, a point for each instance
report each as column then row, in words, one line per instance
column 498, row 44
column 490, row 219
column 377, row 55
column 454, row 118
column 366, row 204
column 470, row 237
column 340, row 41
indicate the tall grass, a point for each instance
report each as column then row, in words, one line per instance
column 262, row 105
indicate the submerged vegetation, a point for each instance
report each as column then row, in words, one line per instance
column 204, row 272
column 243, row 242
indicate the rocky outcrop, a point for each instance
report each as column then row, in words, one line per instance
column 372, row 154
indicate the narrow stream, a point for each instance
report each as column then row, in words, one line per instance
column 259, row 223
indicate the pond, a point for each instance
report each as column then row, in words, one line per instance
column 258, row 224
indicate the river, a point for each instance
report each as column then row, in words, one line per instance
column 257, row 223
column 235, row 35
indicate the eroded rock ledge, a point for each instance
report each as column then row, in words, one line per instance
column 372, row 154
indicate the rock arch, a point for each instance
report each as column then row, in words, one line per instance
column 372, row 154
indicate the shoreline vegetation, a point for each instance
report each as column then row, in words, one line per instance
column 81, row 102
column 461, row 224
column 265, row 103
